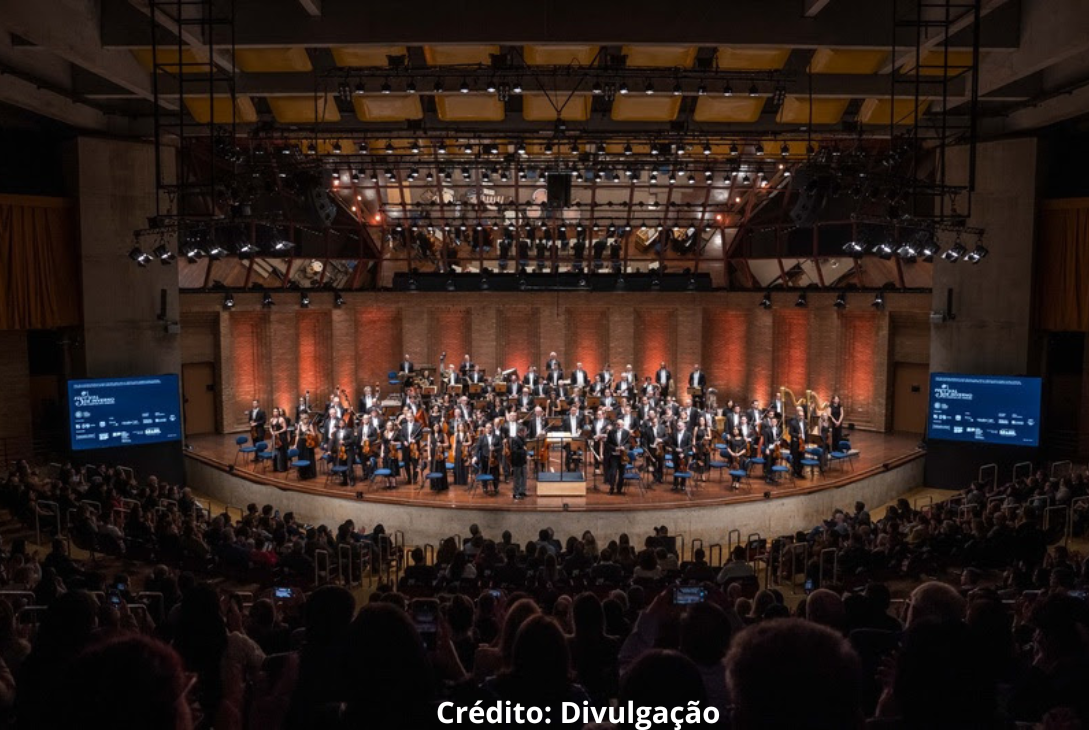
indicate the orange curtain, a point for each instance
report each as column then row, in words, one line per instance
column 1062, row 265
column 39, row 263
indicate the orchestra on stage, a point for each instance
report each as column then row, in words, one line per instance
column 455, row 424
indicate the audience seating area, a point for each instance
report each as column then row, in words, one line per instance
column 969, row 612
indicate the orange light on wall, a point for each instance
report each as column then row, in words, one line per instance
column 452, row 332
column 791, row 351
column 519, row 339
column 246, row 363
column 859, row 338
column 378, row 345
column 314, row 332
column 588, row 339
column 726, row 359
column 655, row 341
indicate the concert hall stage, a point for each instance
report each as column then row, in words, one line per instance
column 885, row 466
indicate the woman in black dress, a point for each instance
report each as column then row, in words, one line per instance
column 278, row 428
column 434, row 448
column 463, row 454
column 835, row 414
column 306, row 453
column 701, row 449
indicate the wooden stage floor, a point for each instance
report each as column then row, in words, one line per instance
column 876, row 453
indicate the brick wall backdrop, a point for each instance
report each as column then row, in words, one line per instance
column 747, row 351
column 378, row 346
column 655, row 339
column 588, row 337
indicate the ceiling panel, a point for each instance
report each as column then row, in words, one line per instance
column 751, row 59
column 559, row 55
column 642, row 56
column 538, row 107
column 272, row 60
column 644, row 108
column 366, row 55
column 457, row 55
column 728, row 109
column 847, row 61
column 387, row 107
column 304, row 109
column 797, row 110
column 469, row 108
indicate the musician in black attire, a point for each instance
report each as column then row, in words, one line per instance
column 410, row 434
column 770, row 436
column 698, row 379
column 796, row 428
column 616, row 447
column 489, row 444
column 657, row 434
column 306, row 453
column 518, row 457
column 368, row 433
column 257, row 422
column 835, row 414
column 680, row 443
column 342, row 447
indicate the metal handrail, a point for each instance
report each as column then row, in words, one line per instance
column 319, row 555
column 835, row 565
column 429, row 553
column 730, row 544
column 915, row 502
column 1070, row 518
column 792, row 551
column 711, row 554
column 992, row 469
column 343, row 548
column 1017, row 468
column 38, row 518
column 1052, row 509
column 1069, row 465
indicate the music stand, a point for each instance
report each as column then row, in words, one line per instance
column 593, row 401
column 476, row 389
column 500, row 387
column 695, row 390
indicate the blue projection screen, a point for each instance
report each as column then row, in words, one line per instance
column 123, row 411
column 984, row 409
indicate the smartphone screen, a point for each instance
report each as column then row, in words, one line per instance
column 687, row 595
column 284, row 592
column 809, row 586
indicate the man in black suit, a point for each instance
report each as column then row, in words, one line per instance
column 531, row 378
column 410, row 433
column 733, row 418
column 796, row 430
column 466, row 366
column 656, row 434
column 698, row 379
column 770, row 435
column 553, row 362
column 343, row 440
column 406, row 365
column 579, row 376
column 488, row 443
column 616, row 445
column 257, row 422
column 555, row 375
column 538, row 424
column 572, row 424
column 663, row 378
column 525, row 400
column 518, row 457
column 754, row 415
column 680, row 443
column 368, row 432
column 605, row 377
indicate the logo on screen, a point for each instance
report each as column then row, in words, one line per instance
column 86, row 399
column 947, row 393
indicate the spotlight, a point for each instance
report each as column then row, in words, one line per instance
column 977, row 254
column 734, row 150
column 883, row 249
column 228, row 301
column 389, row 147
column 360, row 89
column 266, row 301
column 930, row 247
column 649, row 88
column 337, row 149
column 415, row 147
column 727, row 90
column 490, row 88
column 677, row 90
column 628, row 149
column 784, row 149
column 410, row 87
column 136, row 254
column 386, row 88
column 164, row 254
column 954, row 254
column 548, row 148
column 464, row 88
column 745, row 179
column 672, row 178
column 623, row 87
column 596, row 88
column 801, row 301
column 468, row 149
column 521, row 148
column 706, row 148
column 854, row 248
column 193, row 254
column 440, row 149
column 765, row 303
column 338, row 299
column 907, row 250
column 311, row 149
column 759, row 150
column 516, row 87
column 216, row 252
column 574, row 148
column 438, row 86
column 304, row 300
column 701, row 90
column 841, row 301
column 754, row 90
column 878, row 301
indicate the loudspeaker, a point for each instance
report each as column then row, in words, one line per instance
column 559, row 189
column 810, row 201
column 322, row 207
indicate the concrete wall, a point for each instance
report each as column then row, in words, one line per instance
column 116, row 186
column 431, row 524
column 993, row 299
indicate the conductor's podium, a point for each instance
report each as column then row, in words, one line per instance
column 553, row 483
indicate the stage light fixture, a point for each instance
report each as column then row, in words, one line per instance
column 193, row 254
column 734, row 150
column 727, row 90
column 649, row 88
column 883, row 249
column 701, row 90
column 304, row 300
column 360, row 89
column 628, row 149
column 841, row 301
column 216, row 252
column 801, row 300
column 745, row 179
column 955, row 252
column 754, row 90
column 548, row 148
column 907, row 251
column 574, row 148
column 765, row 303
column 337, row 149
column 389, row 147
column 977, row 254
column 490, row 88
column 784, row 149
column 228, row 301
column 677, row 89
column 137, row 254
column 311, row 149
column 266, row 301
column 464, row 88
column 164, row 254
column 516, row 88
column 854, row 248
column 438, row 86
column 672, row 178
column 410, row 87
column 878, row 301
column 467, row 149
column 759, row 149
column 521, row 148
column 930, row 246
column 440, row 148
column 596, row 88
column 623, row 87
column 386, row 88
column 415, row 147
column 338, row 299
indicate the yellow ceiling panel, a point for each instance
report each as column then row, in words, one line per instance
column 752, row 59
column 168, row 59
column 643, row 108
column 469, row 108
column 642, row 56
column 366, row 55
column 936, row 64
column 847, row 61
column 452, row 55
column 537, row 107
column 387, row 107
column 218, row 109
column 304, row 109
column 728, row 108
column 559, row 55
column 272, row 60
column 903, row 111
column 797, row 110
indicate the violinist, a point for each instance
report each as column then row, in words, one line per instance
column 769, row 444
column 369, row 444
column 680, row 443
column 656, row 435
column 368, row 400
column 410, row 436
column 342, row 449
column 391, row 449
column 435, row 453
column 738, row 449
column 508, row 431
column 277, row 426
column 462, row 445
column 486, row 456
column 579, row 377
column 305, row 435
